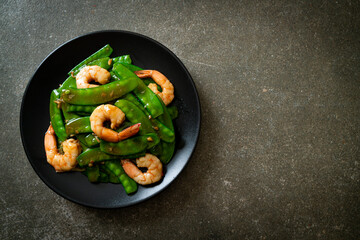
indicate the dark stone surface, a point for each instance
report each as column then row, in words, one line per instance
column 278, row 155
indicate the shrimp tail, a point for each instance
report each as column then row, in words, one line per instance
column 129, row 132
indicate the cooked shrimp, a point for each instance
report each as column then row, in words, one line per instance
column 167, row 94
column 149, row 161
column 65, row 162
column 92, row 73
column 108, row 112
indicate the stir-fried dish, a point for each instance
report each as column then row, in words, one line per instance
column 112, row 121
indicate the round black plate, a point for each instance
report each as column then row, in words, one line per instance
column 34, row 116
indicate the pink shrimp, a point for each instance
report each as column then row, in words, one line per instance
column 152, row 163
column 167, row 94
column 65, row 162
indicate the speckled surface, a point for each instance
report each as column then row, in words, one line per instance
column 278, row 155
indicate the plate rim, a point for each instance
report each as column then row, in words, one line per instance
column 130, row 203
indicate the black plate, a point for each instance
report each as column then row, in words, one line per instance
column 34, row 116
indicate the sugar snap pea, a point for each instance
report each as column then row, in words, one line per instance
column 129, row 184
column 78, row 125
column 103, row 52
column 131, row 145
column 56, row 118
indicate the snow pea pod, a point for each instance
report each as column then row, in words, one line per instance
column 111, row 176
column 164, row 132
column 100, row 94
column 88, row 139
column 122, row 59
column 173, row 111
column 129, row 184
column 103, row 52
column 147, row 97
column 68, row 115
column 69, row 82
column 103, row 177
column 78, row 125
column 101, row 62
column 93, row 173
column 135, row 115
column 167, row 152
column 81, row 108
column 130, row 146
column 168, row 148
column 94, row 155
column 56, row 119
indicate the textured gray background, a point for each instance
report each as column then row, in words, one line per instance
column 278, row 155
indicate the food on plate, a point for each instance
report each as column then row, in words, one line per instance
column 113, row 121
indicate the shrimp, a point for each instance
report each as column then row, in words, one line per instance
column 89, row 73
column 167, row 94
column 149, row 161
column 110, row 112
column 65, row 162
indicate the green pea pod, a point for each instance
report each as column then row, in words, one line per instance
column 56, row 118
column 135, row 115
column 131, row 67
column 122, row 59
column 168, row 148
column 78, row 125
column 165, row 118
column 103, row 52
column 101, row 62
column 87, row 109
column 111, row 176
column 147, row 97
column 173, row 112
column 93, row 173
column 129, row 184
column 84, row 147
column 100, row 94
column 68, row 115
column 103, row 178
column 114, row 77
column 93, row 155
column 130, row 146
column 164, row 132
column 88, row 139
column 69, row 82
